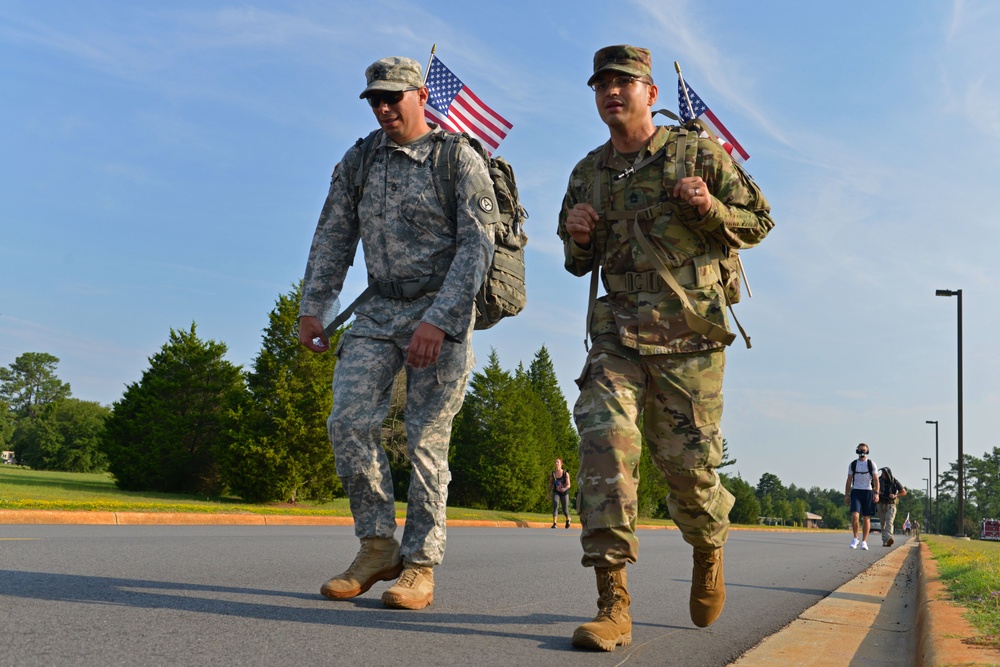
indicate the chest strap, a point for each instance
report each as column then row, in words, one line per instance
column 695, row 322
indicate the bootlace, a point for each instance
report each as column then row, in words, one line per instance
column 362, row 555
column 706, row 568
column 610, row 604
column 408, row 578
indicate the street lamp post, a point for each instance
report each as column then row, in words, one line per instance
column 928, row 487
column 961, row 462
column 928, row 459
column 937, row 479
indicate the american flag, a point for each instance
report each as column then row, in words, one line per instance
column 702, row 112
column 457, row 109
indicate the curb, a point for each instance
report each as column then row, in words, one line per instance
column 109, row 518
column 865, row 621
column 106, row 518
column 942, row 630
column 88, row 517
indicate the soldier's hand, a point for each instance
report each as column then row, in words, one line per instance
column 311, row 334
column 580, row 221
column 693, row 190
column 425, row 346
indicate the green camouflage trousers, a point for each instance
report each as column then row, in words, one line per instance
column 362, row 388
column 679, row 398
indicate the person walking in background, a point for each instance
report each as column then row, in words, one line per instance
column 559, row 490
column 861, row 494
column 892, row 490
column 425, row 265
column 657, row 358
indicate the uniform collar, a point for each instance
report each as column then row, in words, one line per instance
column 610, row 159
column 418, row 150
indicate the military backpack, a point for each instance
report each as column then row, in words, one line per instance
column 679, row 156
column 503, row 293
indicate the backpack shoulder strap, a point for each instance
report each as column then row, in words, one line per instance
column 444, row 158
column 854, row 467
column 358, row 169
column 871, row 468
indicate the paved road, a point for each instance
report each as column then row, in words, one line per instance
column 242, row 595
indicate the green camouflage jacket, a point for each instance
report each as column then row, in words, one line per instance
column 653, row 322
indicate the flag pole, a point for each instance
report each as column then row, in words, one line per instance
column 680, row 77
column 687, row 98
column 429, row 61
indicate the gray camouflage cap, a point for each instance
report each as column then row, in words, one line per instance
column 393, row 74
column 622, row 58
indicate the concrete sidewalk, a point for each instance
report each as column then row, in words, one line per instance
column 894, row 613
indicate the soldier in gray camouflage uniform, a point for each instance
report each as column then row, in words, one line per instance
column 409, row 241
column 653, row 363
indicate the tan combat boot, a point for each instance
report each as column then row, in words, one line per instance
column 708, row 587
column 613, row 624
column 414, row 590
column 378, row 560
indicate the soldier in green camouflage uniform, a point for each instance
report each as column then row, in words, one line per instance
column 652, row 366
column 408, row 238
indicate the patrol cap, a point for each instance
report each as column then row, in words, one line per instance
column 632, row 60
column 393, row 74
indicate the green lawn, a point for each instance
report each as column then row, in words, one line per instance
column 21, row 488
column 971, row 571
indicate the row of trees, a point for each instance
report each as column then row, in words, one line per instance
column 40, row 420
column 196, row 423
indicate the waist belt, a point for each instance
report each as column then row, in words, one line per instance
column 391, row 289
column 649, row 281
column 407, row 289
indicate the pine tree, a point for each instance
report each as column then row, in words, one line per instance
column 30, row 383
column 168, row 430
column 542, row 376
column 501, row 443
column 280, row 449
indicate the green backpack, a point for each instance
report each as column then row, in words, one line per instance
column 503, row 293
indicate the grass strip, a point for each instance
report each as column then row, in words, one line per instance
column 970, row 570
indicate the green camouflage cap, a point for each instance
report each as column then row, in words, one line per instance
column 623, row 58
column 393, row 74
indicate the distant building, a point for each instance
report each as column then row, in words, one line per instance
column 813, row 520
column 7, row 457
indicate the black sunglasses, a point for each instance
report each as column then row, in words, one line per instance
column 393, row 97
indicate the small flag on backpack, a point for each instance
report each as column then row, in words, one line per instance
column 454, row 107
column 703, row 113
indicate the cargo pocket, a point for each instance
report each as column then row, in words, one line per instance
column 454, row 361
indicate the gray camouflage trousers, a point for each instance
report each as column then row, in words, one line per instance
column 887, row 515
column 362, row 387
column 679, row 400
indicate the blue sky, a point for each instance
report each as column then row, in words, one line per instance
column 165, row 163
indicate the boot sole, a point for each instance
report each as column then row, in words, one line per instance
column 586, row 639
column 394, row 602
column 388, row 574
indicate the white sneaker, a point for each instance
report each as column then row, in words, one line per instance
column 855, row 542
column 864, row 546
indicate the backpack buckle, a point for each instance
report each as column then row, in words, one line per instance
column 391, row 289
column 642, row 281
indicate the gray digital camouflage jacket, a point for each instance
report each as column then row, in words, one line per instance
column 406, row 235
